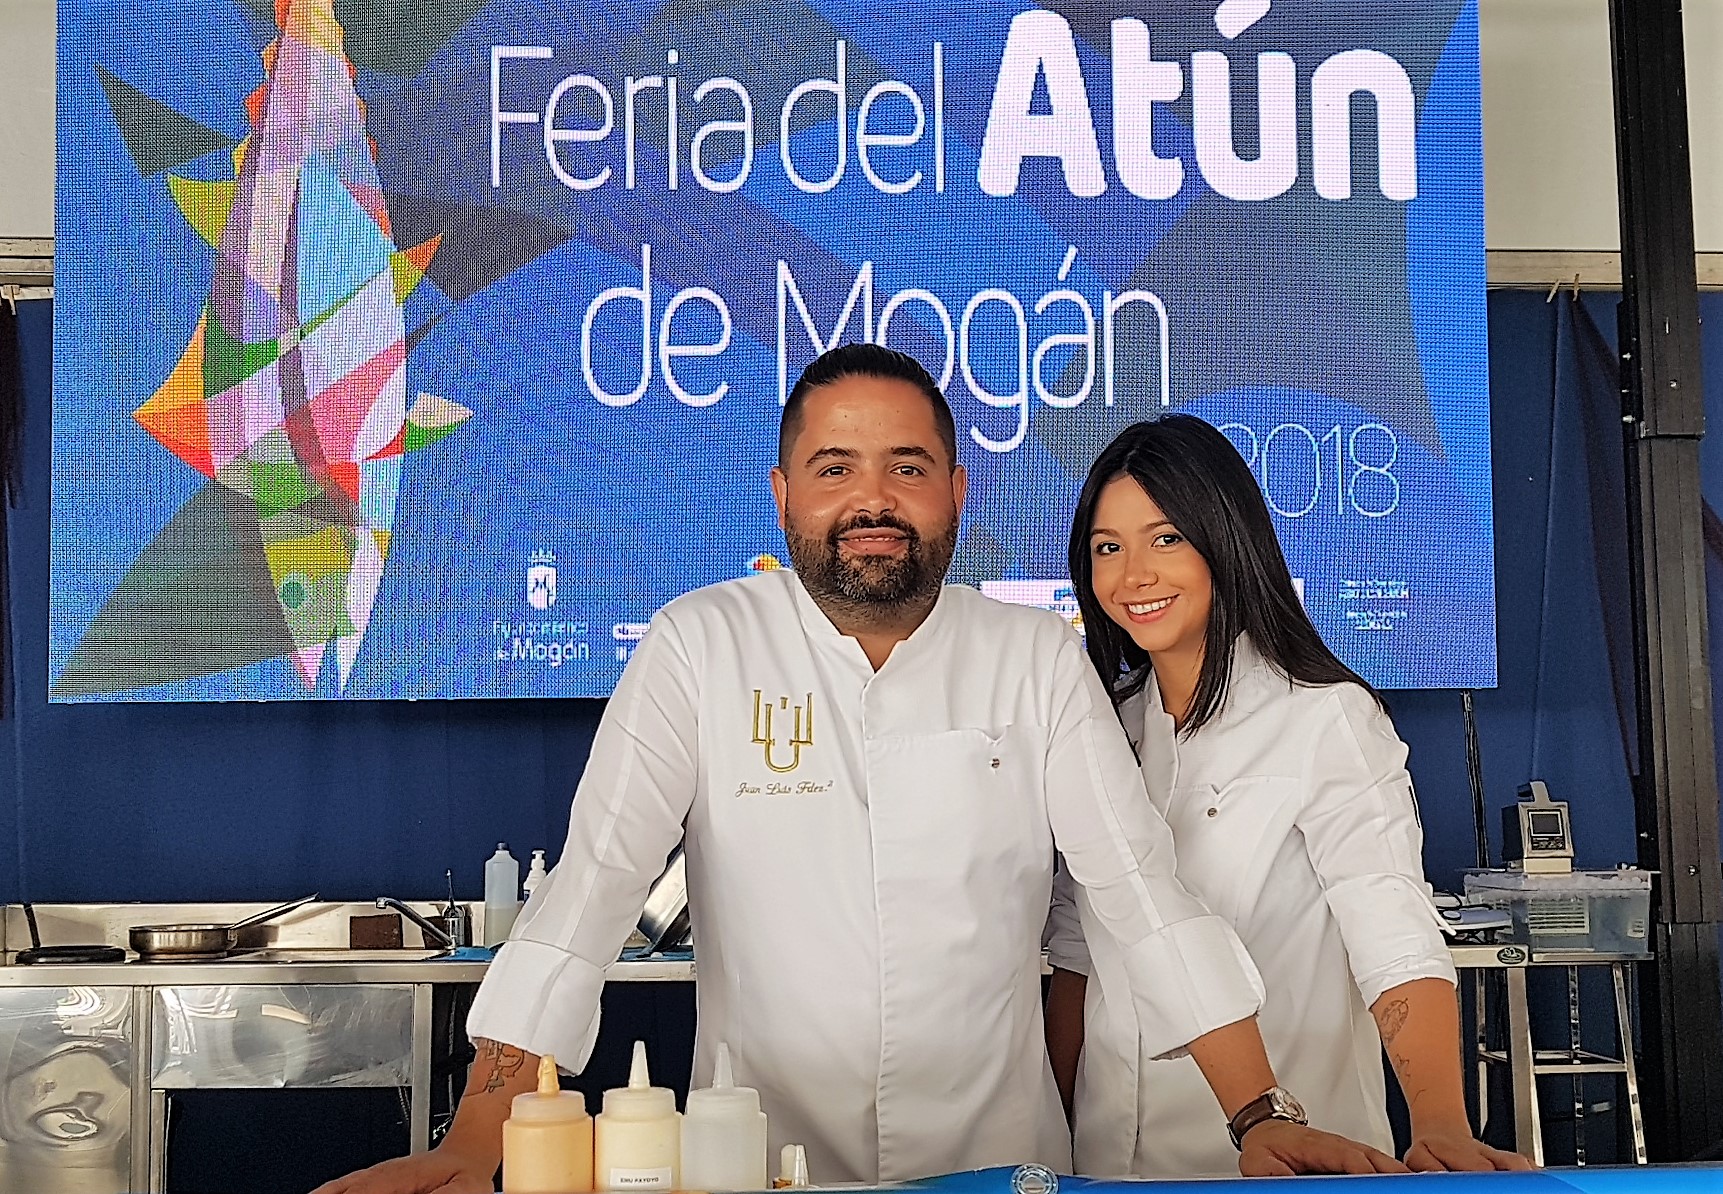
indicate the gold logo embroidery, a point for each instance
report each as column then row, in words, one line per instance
column 801, row 732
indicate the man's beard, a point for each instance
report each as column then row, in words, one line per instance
column 875, row 585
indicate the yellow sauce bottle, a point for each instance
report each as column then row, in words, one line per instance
column 547, row 1139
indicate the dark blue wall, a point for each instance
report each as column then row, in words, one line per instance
column 184, row 802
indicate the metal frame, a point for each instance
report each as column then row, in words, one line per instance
column 1663, row 416
column 1526, row 1063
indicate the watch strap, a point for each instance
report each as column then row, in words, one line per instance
column 1273, row 1103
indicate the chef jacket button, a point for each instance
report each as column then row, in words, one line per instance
column 1212, row 810
column 994, row 764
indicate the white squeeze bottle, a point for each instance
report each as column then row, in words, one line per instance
column 547, row 1139
column 502, row 895
column 724, row 1134
column 637, row 1140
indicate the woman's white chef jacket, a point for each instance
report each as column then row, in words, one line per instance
column 870, row 858
column 1294, row 819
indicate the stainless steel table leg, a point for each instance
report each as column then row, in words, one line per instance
column 1528, row 1128
column 1577, row 1080
column 143, row 1057
column 158, row 1141
column 420, row 1097
column 1630, row 1068
column 1480, row 1042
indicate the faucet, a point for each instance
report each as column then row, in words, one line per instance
column 455, row 930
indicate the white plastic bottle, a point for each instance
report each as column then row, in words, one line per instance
column 502, row 883
column 724, row 1134
column 547, row 1139
column 637, row 1138
column 535, row 874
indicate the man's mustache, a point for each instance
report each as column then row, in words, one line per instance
column 873, row 522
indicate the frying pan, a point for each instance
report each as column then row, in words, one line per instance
column 200, row 941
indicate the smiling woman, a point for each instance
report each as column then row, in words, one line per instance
column 1293, row 818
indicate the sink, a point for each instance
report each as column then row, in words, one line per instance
column 336, row 957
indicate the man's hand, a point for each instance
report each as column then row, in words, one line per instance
column 1279, row 1148
column 1457, row 1150
column 439, row 1171
column 467, row 1159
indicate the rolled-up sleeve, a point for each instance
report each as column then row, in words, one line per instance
column 1187, row 971
column 542, row 992
column 1360, row 826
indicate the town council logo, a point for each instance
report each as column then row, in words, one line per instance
column 541, row 580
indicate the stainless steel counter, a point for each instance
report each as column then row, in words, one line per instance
column 301, row 970
column 295, row 1006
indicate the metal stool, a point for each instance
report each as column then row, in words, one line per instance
column 1526, row 1063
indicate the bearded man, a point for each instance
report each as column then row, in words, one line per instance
column 872, row 773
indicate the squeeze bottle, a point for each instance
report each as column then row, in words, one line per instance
column 547, row 1139
column 502, row 891
column 724, row 1134
column 637, row 1138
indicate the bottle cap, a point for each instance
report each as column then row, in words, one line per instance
column 549, row 1101
column 724, row 1097
column 639, row 1099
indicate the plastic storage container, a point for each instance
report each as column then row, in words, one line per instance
column 1604, row 911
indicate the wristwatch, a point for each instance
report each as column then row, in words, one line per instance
column 1274, row 1103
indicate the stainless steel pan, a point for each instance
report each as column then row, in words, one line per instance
column 200, row 941
column 664, row 920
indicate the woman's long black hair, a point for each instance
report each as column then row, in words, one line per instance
column 1205, row 489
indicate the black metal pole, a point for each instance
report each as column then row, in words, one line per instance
column 1676, row 788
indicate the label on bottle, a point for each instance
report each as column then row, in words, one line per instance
column 639, row 1179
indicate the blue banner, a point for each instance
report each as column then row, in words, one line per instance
column 425, row 350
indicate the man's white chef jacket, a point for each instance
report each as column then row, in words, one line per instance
column 870, row 858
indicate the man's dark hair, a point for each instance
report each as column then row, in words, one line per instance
column 863, row 360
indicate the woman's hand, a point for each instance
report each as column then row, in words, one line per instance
column 1280, row 1148
column 1455, row 1149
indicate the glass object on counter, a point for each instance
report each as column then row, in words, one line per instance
column 65, row 1089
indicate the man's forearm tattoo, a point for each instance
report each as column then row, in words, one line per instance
column 505, row 1062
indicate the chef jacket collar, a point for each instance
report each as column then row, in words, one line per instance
column 1254, row 682
column 820, row 627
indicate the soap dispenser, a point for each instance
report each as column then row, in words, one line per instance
column 637, row 1138
column 535, row 874
column 547, row 1139
column 724, row 1134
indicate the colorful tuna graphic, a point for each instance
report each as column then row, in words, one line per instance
column 291, row 395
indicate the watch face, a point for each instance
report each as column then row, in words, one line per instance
column 1284, row 1104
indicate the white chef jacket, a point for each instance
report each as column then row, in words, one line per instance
column 870, row 858
column 1294, row 819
